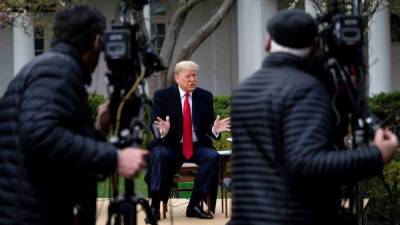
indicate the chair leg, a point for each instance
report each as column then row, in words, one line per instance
column 222, row 198
column 114, row 185
column 226, row 203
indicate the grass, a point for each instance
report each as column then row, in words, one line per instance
column 104, row 187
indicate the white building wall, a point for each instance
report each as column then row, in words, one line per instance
column 6, row 58
column 108, row 8
column 218, row 56
column 309, row 7
column 252, row 19
column 23, row 43
column 379, row 51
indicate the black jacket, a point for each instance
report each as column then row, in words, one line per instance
column 49, row 161
column 284, row 168
column 167, row 102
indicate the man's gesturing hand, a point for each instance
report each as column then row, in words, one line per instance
column 222, row 125
column 162, row 125
column 131, row 161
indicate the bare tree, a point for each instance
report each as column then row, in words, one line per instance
column 195, row 41
column 370, row 7
column 11, row 9
column 175, row 25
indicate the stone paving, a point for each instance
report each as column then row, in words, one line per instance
column 178, row 207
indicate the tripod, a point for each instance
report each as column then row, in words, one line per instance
column 123, row 207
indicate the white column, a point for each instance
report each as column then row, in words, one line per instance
column 146, row 15
column 252, row 19
column 310, row 8
column 380, row 63
column 24, row 44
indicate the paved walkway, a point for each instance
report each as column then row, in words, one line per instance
column 178, row 207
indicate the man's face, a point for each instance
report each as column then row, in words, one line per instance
column 187, row 79
column 91, row 57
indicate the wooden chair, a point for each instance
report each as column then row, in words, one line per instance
column 185, row 174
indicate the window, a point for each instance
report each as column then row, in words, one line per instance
column 159, row 12
column 395, row 20
column 39, row 40
column 395, row 27
column 158, row 34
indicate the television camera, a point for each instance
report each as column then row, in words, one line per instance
column 341, row 51
column 130, row 59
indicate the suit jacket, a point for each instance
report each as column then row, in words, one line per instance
column 167, row 102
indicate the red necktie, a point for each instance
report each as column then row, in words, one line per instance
column 187, row 146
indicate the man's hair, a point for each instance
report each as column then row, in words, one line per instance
column 184, row 65
column 78, row 26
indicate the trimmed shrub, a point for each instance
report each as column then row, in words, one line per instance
column 384, row 195
column 386, row 106
column 94, row 102
column 222, row 107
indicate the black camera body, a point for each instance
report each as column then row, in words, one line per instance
column 120, row 49
column 343, row 38
column 348, row 31
column 341, row 53
column 117, row 49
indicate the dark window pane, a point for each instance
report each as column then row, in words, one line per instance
column 39, row 40
column 395, row 27
column 158, row 35
column 161, row 28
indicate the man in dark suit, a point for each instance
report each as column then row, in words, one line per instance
column 183, row 116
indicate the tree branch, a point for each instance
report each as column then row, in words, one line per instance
column 194, row 42
column 174, row 28
column 371, row 6
column 143, row 36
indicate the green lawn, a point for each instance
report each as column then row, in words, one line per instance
column 104, row 187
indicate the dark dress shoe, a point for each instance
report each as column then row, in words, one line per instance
column 156, row 215
column 196, row 211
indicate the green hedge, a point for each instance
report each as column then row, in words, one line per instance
column 94, row 102
column 386, row 106
column 384, row 199
column 384, row 204
column 222, row 106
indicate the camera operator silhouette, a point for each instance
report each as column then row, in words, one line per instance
column 50, row 157
column 285, row 169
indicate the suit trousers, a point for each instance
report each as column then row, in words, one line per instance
column 164, row 163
